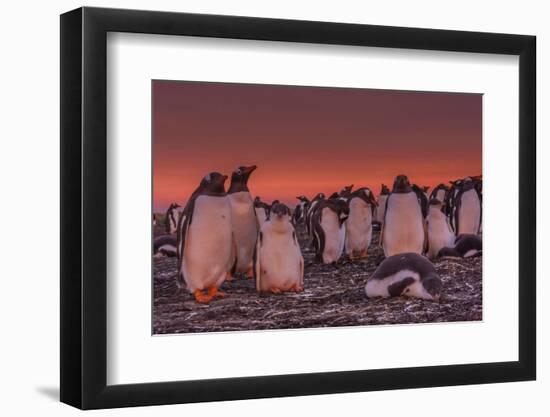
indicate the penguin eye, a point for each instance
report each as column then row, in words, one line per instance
column 238, row 172
column 208, row 178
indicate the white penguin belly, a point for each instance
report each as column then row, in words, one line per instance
column 439, row 233
column 379, row 287
column 469, row 214
column 334, row 236
column 403, row 226
column 245, row 228
column 208, row 244
column 358, row 227
column 280, row 260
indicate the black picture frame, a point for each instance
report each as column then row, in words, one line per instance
column 84, row 207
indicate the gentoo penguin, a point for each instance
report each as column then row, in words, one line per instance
column 408, row 274
column 245, row 227
column 346, row 191
column 262, row 211
column 329, row 231
column 440, row 233
column 172, row 217
column 403, row 229
column 154, row 219
column 465, row 246
column 300, row 210
column 467, row 209
column 165, row 245
column 310, row 211
column 278, row 262
column 422, row 199
column 359, row 223
column 205, row 239
column 381, row 209
column 439, row 192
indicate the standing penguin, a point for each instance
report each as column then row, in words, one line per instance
column 381, row 209
column 440, row 233
column 359, row 223
column 172, row 217
column 300, row 210
column 310, row 211
column 403, row 229
column 408, row 274
column 329, row 232
column 205, row 239
column 245, row 227
column 278, row 262
column 467, row 208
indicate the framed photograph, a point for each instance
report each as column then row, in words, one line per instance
column 257, row 208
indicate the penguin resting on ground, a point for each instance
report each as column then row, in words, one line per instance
column 329, row 232
column 403, row 229
column 243, row 217
column 359, row 223
column 278, row 261
column 465, row 246
column 408, row 274
column 165, row 245
column 205, row 240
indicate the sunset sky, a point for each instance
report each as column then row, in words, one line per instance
column 306, row 140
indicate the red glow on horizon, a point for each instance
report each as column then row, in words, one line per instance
column 306, row 140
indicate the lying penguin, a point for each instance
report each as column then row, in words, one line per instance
column 165, row 246
column 465, row 246
column 278, row 261
column 408, row 274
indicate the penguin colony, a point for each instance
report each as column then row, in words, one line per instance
column 222, row 234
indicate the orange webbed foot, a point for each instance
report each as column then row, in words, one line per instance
column 297, row 288
column 250, row 273
column 214, row 292
column 202, row 298
column 275, row 290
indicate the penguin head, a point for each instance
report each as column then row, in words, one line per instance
column 432, row 285
column 401, row 184
column 384, row 190
column 241, row 174
column 303, row 199
column 279, row 211
column 214, row 183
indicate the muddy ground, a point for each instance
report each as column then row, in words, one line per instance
column 332, row 296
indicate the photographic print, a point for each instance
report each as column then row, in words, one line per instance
column 291, row 207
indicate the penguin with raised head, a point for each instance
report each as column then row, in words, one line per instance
column 329, row 231
column 467, row 208
column 381, row 209
column 359, row 223
column 165, row 246
column 243, row 216
column 172, row 217
column 310, row 211
column 440, row 233
column 262, row 211
column 403, row 229
column 300, row 210
column 405, row 274
column 346, row 191
column 465, row 246
column 278, row 261
column 439, row 193
column 205, row 239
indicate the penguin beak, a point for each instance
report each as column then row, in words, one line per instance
column 250, row 169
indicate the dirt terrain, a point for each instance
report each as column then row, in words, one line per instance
column 332, row 296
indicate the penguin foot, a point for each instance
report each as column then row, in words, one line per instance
column 214, row 292
column 202, row 298
column 249, row 273
column 296, row 288
column 275, row 290
column 229, row 277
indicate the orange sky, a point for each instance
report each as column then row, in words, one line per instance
column 306, row 140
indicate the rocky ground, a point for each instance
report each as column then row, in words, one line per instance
column 332, row 296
